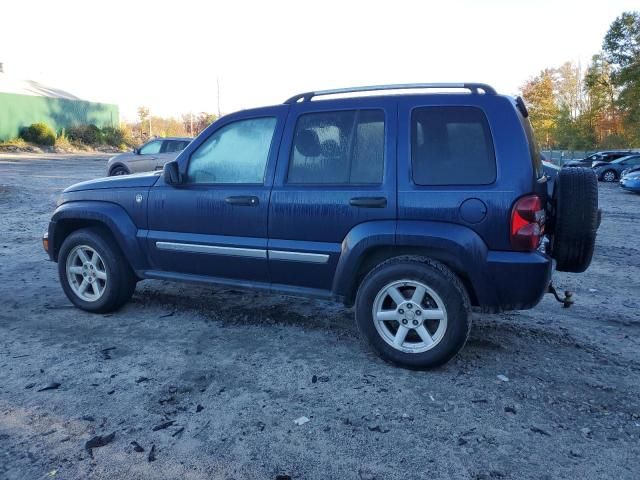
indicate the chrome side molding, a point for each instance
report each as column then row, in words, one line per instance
column 285, row 255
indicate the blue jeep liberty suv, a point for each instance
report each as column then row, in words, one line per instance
column 414, row 205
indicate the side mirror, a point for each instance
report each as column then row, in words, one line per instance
column 136, row 151
column 171, row 173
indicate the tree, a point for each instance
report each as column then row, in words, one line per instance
column 568, row 86
column 538, row 92
column 601, row 113
column 621, row 48
column 196, row 123
column 143, row 114
column 572, row 128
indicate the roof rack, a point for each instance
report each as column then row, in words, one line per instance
column 473, row 87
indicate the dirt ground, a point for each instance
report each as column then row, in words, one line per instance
column 209, row 381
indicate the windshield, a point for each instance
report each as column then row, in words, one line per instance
column 620, row 160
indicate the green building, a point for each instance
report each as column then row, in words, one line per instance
column 23, row 102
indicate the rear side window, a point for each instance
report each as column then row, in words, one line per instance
column 345, row 147
column 451, row 146
column 175, row 146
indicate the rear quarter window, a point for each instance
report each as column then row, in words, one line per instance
column 451, row 146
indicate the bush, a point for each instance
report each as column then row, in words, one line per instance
column 114, row 137
column 87, row 134
column 63, row 143
column 39, row 133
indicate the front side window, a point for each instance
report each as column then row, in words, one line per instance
column 451, row 146
column 345, row 147
column 151, row 148
column 236, row 153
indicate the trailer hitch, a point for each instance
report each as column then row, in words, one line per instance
column 566, row 301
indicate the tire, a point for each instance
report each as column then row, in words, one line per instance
column 609, row 176
column 118, row 170
column 575, row 219
column 444, row 292
column 111, row 281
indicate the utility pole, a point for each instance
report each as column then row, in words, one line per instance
column 218, row 94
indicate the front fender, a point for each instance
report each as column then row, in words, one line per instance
column 109, row 215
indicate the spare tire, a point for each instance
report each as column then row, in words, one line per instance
column 575, row 219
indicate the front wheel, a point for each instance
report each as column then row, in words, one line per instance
column 118, row 171
column 414, row 312
column 94, row 274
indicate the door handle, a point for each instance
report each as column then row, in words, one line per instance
column 242, row 200
column 368, row 202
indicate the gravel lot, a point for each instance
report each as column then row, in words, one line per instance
column 211, row 380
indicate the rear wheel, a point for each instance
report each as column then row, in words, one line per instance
column 94, row 274
column 413, row 311
column 609, row 176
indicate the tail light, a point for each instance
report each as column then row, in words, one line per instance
column 527, row 223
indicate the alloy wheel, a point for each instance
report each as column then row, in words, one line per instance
column 86, row 273
column 410, row 316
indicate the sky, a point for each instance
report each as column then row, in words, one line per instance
column 171, row 55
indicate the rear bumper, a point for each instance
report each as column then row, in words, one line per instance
column 515, row 280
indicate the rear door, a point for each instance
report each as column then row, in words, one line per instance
column 336, row 170
column 215, row 223
column 447, row 163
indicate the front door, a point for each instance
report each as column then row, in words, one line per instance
column 145, row 160
column 336, row 170
column 215, row 223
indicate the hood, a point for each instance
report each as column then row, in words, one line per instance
column 139, row 180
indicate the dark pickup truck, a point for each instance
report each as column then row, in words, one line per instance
column 414, row 207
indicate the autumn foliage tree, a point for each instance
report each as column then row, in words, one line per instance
column 149, row 126
column 621, row 48
column 597, row 108
column 539, row 95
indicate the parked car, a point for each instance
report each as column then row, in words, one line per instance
column 414, row 208
column 551, row 171
column 550, row 168
column 607, row 156
column 631, row 182
column 612, row 171
column 150, row 156
column 630, row 170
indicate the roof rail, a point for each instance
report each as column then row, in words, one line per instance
column 473, row 87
